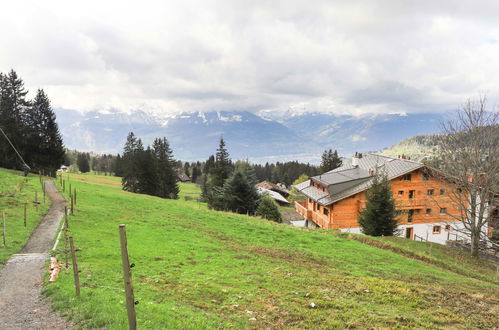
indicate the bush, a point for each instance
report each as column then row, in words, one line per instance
column 268, row 209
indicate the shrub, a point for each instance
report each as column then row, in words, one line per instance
column 268, row 209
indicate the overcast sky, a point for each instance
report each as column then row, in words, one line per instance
column 334, row 56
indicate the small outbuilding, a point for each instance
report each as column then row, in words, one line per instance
column 182, row 177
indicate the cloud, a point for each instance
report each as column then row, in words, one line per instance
column 332, row 56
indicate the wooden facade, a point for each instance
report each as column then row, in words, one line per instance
column 420, row 199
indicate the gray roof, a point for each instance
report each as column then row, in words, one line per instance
column 275, row 195
column 349, row 180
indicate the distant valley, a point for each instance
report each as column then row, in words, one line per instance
column 258, row 137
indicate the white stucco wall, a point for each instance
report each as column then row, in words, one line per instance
column 424, row 230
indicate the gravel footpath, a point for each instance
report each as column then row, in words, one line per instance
column 21, row 304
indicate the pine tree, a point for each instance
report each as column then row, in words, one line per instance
column 222, row 167
column 268, row 209
column 13, row 105
column 195, row 173
column 168, row 186
column 238, row 195
column 44, row 149
column 148, row 177
column 378, row 217
column 117, row 166
column 82, row 161
column 130, row 162
column 330, row 160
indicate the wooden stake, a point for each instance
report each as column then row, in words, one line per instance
column 72, row 205
column 66, row 216
column 75, row 266
column 127, row 278
column 3, row 235
column 43, row 192
column 63, row 186
column 66, row 242
column 74, row 194
column 25, row 211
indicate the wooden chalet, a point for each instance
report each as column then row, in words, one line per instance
column 335, row 199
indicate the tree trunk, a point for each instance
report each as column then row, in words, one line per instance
column 475, row 241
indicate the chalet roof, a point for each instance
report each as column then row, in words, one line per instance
column 272, row 186
column 349, row 180
column 183, row 177
column 275, row 195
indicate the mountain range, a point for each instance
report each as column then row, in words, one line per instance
column 259, row 137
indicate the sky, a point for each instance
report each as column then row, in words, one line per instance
column 331, row 56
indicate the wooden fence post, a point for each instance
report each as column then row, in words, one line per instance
column 72, row 205
column 74, row 194
column 25, row 211
column 66, row 241
column 43, row 187
column 127, row 278
column 75, row 266
column 3, row 231
column 63, row 186
column 66, row 216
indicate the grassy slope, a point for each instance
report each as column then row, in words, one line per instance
column 14, row 192
column 203, row 269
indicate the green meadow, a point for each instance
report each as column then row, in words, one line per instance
column 197, row 268
column 15, row 191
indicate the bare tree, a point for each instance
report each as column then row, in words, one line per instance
column 468, row 150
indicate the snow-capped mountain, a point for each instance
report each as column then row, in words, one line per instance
column 263, row 137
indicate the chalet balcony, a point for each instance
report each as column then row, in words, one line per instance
column 414, row 203
column 301, row 208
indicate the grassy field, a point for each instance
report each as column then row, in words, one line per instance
column 15, row 190
column 197, row 268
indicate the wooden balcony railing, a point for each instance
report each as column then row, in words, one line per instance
column 301, row 209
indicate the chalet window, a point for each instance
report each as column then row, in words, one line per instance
column 443, row 210
column 410, row 214
column 401, row 192
column 412, row 193
column 425, row 177
column 429, row 192
column 326, row 211
column 447, row 227
column 428, row 211
column 398, row 212
column 437, row 229
column 406, row 177
column 442, row 191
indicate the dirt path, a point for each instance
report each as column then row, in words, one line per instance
column 21, row 304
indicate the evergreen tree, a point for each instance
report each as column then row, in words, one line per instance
column 378, row 217
column 82, row 161
column 117, row 166
column 186, row 169
column 330, row 160
column 268, row 209
column 222, row 167
column 148, row 177
column 238, row 195
column 13, row 105
column 131, row 163
column 167, row 176
column 44, row 148
column 195, row 173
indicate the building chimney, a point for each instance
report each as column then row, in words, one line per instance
column 355, row 160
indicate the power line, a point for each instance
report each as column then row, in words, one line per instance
column 1, row 130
